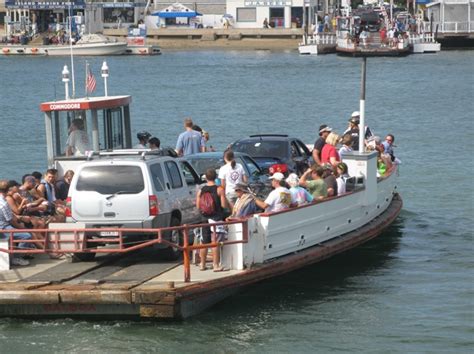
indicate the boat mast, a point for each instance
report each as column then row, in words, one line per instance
column 362, row 107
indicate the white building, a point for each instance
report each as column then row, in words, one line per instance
column 279, row 13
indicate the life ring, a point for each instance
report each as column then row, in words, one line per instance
column 6, row 50
column 34, row 50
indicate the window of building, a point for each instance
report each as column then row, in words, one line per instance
column 246, row 14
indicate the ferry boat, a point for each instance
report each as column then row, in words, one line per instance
column 258, row 247
column 361, row 35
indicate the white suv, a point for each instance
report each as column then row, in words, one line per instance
column 140, row 190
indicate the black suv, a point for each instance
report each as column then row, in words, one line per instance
column 276, row 152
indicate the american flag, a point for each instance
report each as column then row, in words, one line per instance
column 90, row 81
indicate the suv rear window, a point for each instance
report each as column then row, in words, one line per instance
column 111, row 179
column 262, row 148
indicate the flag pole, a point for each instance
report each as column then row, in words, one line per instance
column 85, row 82
column 72, row 57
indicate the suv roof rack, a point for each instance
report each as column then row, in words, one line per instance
column 139, row 152
column 259, row 135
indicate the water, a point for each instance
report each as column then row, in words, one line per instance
column 408, row 291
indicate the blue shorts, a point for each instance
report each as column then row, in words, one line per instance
column 19, row 236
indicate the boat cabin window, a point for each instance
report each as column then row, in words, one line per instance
column 71, row 133
column 74, row 133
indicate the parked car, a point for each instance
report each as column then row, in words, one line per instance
column 275, row 152
column 258, row 179
column 141, row 191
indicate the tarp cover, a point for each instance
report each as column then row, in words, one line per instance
column 164, row 14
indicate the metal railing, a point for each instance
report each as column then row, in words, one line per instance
column 86, row 240
column 448, row 26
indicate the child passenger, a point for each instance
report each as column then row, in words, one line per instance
column 299, row 195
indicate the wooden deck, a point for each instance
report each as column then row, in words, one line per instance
column 140, row 284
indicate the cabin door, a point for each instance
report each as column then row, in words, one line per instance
column 113, row 129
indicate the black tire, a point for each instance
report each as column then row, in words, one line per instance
column 86, row 257
column 175, row 236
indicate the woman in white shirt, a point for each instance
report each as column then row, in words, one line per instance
column 230, row 174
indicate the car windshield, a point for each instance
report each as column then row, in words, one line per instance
column 201, row 165
column 111, row 179
column 262, row 148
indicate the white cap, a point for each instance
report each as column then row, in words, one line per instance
column 355, row 114
column 278, row 176
column 292, row 180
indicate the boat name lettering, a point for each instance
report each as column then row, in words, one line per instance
column 57, row 106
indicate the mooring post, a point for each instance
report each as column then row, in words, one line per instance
column 186, row 261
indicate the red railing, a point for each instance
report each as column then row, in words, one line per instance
column 81, row 241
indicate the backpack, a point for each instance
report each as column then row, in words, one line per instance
column 207, row 204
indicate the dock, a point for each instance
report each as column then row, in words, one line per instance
column 141, row 285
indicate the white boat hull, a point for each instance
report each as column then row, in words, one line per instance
column 426, row 47
column 87, row 49
column 308, row 49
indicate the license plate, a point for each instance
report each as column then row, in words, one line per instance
column 108, row 233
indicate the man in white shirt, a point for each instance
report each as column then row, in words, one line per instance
column 77, row 142
column 278, row 199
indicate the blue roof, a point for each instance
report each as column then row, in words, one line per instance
column 423, row 1
column 169, row 14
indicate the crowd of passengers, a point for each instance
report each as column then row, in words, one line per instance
column 37, row 201
column 41, row 198
column 226, row 195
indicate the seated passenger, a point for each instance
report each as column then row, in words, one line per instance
column 279, row 198
column 18, row 206
column 342, row 176
column 316, row 185
column 245, row 204
column 48, row 192
column 299, row 195
column 77, row 142
column 329, row 153
column 330, row 180
column 36, row 206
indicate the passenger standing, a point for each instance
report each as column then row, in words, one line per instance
column 230, row 174
column 330, row 180
column 211, row 201
column 388, row 146
column 324, row 131
column 316, row 185
column 190, row 141
column 329, row 153
column 154, row 143
column 346, row 145
column 143, row 138
column 279, row 198
column 62, row 185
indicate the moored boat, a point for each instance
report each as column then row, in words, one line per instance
column 90, row 45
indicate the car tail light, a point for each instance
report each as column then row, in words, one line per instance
column 153, row 205
column 279, row 167
column 68, row 207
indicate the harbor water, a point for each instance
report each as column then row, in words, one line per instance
column 410, row 290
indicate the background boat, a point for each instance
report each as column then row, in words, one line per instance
column 90, row 45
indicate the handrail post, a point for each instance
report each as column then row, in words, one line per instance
column 186, row 261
